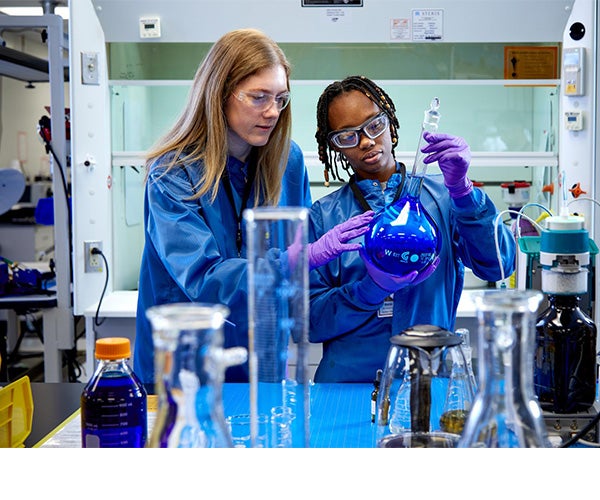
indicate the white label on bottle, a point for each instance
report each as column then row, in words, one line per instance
column 92, row 441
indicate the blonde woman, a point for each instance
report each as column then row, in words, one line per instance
column 230, row 149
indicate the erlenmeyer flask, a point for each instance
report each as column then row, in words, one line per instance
column 403, row 237
column 190, row 365
column 505, row 413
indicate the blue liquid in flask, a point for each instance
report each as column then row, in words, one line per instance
column 403, row 237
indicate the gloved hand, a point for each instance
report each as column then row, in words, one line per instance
column 334, row 242
column 453, row 156
column 392, row 283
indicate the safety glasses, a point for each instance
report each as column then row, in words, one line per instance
column 350, row 137
column 261, row 101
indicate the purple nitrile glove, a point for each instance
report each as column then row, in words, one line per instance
column 392, row 283
column 453, row 156
column 335, row 241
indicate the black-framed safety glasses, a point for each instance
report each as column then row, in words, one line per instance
column 350, row 137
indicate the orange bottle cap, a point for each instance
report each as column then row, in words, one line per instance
column 113, row 348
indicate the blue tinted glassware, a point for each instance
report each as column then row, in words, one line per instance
column 113, row 402
column 403, row 237
column 190, row 364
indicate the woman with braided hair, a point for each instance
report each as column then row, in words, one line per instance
column 354, row 307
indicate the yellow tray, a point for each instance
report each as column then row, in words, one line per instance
column 16, row 413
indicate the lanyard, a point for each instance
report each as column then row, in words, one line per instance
column 360, row 197
column 246, row 196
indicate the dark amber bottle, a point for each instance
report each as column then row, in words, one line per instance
column 565, row 356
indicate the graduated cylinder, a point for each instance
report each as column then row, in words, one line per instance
column 278, row 319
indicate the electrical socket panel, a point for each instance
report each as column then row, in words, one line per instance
column 93, row 262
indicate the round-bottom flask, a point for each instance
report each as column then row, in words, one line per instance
column 403, row 238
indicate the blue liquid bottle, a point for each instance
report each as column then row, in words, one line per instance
column 403, row 237
column 113, row 403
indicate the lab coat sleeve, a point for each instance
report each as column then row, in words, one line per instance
column 185, row 241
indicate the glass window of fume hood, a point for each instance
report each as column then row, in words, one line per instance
column 512, row 129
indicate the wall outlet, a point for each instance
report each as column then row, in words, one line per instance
column 93, row 262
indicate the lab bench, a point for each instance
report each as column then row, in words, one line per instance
column 340, row 414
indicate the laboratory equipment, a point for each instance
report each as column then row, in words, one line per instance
column 190, row 365
column 403, row 237
column 505, row 412
column 565, row 354
column 12, row 187
column 574, row 70
column 516, row 195
column 425, row 392
column 278, row 323
column 113, row 402
column 374, row 393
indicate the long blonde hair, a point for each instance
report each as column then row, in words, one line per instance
column 200, row 132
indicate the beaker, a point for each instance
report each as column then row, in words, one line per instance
column 425, row 393
column 403, row 237
column 278, row 323
column 190, row 365
column 505, row 413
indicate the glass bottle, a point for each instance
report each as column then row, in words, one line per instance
column 376, row 383
column 505, row 413
column 113, row 402
column 565, row 356
column 403, row 237
column 190, row 365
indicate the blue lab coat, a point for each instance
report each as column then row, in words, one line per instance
column 190, row 252
column 345, row 303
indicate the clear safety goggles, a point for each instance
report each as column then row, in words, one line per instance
column 261, row 101
column 350, row 137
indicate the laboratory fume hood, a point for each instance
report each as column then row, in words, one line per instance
column 469, row 53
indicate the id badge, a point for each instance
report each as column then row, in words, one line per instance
column 387, row 309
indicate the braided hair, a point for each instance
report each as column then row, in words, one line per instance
column 327, row 155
